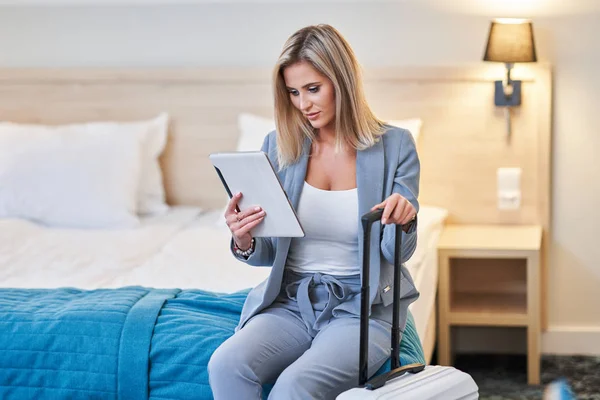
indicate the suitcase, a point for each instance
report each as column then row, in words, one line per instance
column 432, row 383
column 413, row 381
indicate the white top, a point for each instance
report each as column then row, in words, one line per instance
column 330, row 222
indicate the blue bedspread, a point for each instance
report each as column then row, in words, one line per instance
column 127, row 343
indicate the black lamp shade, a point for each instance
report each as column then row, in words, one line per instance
column 510, row 41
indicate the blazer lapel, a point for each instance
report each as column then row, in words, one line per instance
column 294, row 181
column 296, row 174
column 370, row 167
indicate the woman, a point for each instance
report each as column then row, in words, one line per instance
column 337, row 161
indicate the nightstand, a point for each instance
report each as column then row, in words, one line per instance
column 490, row 275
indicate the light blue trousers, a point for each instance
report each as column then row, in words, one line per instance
column 306, row 342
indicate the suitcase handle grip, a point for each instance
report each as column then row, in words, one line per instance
column 372, row 216
column 381, row 380
column 367, row 222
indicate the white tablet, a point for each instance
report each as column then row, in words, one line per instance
column 252, row 173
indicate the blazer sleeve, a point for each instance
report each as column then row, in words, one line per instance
column 406, row 183
column 264, row 248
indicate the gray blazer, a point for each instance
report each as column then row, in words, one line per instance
column 391, row 165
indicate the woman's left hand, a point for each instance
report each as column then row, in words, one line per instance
column 396, row 210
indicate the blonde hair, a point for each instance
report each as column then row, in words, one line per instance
column 328, row 52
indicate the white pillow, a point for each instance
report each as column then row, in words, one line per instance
column 151, row 200
column 72, row 176
column 412, row 124
column 253, row 130
column 151, row 196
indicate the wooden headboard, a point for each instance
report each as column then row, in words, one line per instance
column 463, row 140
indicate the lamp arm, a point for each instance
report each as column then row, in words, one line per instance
column 508, row 85
column 509, row 67
column 508, row 92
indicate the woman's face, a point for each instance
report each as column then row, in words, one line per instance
column 311, row 93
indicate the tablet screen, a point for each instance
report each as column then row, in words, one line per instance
column 252, row 174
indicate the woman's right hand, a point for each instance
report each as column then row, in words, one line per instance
column 240, row 223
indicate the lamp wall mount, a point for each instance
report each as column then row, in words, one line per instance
column 507, row 93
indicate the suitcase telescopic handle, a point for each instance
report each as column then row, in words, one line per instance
column 367, row 222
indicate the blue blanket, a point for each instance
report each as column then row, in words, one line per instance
column 127, row 343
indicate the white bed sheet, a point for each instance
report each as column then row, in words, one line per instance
column 197, row 258
column 33, row 256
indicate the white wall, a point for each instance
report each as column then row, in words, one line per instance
column 382, row 34
column 227, row 34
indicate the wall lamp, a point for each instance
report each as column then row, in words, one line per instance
column 509, row 41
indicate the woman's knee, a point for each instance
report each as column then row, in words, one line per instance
column 230, row 375
column 217, row 361
column 226, row 361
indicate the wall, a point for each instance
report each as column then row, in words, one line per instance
column 409, row 32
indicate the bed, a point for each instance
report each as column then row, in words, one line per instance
column 172, row 259
column 125, row 313
column 185, row 254
column 185, row 248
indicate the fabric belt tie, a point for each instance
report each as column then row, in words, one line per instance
column 337, row 293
